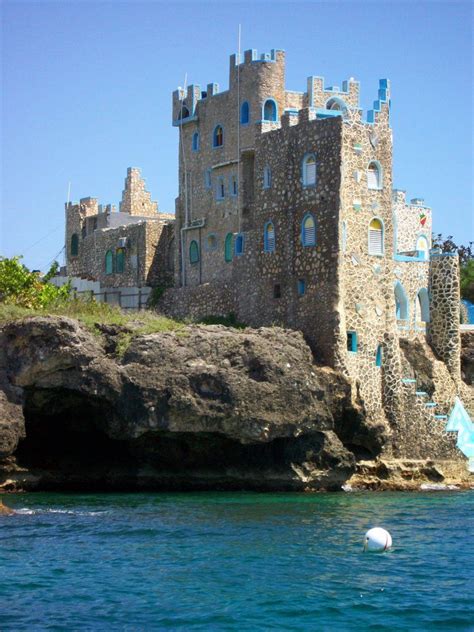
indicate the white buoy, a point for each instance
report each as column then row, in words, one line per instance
column 377, row 540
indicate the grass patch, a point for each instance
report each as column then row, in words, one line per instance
column 227, row 321
column 90, row 313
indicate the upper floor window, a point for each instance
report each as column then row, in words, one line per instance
column 234, row 189
column 244, row 113
column 267, row 177
column 193, row 252
column 220, row 188
column 120, row 260
column 269, row 237
column 422, row 247
column 208, row 178
column 239, row 244
column 109, row 262
column 228, row 247
column 375, row 237
column 301, row 287
column 218, row 137
column 309, row 170
column 401, row 302
column 378, row 356
column 196, row 141
column 308, row 231
column 74, row 245
column 270, row 110
column 352, row 342
column 374, row 175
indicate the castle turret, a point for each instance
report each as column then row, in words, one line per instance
column 444, row 334
column 136, row 200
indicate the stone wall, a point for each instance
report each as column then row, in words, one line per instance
column 136, row 200
column 413, row 220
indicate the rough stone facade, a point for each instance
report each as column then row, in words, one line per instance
column 132, row 234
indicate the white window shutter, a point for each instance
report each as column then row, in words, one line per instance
column 310, row 173
column 375, row 241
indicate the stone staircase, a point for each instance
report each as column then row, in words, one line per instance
column 455, row 426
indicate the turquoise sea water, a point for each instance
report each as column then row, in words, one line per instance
column 236, row 561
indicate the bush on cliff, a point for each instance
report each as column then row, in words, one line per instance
column 19, row 286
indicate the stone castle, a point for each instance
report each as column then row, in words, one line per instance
column 286, row 215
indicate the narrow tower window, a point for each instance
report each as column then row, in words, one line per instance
column 374, row 176
column 269, row 237
column 218, row 138
column 378, row 356
column 375, row 237
column 308, row 231
column 120, row 260
column 239, row 244
column 244, row 113
column 267, row 177
column 309, row 171
column 228, row 247
column 193, row 252
column 401, row 302
column 74, row 245
column 109, row 262
column 196, row 141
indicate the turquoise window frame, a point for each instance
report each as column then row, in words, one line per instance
column 301, row 287
column 239, row 245
column 196, row 142
column 275, row 110
column 194, row 252
column 303, row 171
column 245, row 113
column 268, row 247
column 352, row 341
column 303, row 231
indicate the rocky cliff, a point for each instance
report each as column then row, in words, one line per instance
column 205, row 407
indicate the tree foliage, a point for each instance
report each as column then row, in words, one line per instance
column 19, row 286
column 466, row 261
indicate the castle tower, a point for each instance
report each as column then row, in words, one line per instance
column 443, row 332
column 136, row 200
column 76, row 217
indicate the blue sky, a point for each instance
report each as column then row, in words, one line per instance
column 87, row 93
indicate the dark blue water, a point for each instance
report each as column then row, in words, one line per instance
column 222, row 561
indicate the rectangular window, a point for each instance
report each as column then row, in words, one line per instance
column 352, row 341
column 277, row 290
column 220, row 190
column 233, row 186
column 208, row 179
column 301, row 287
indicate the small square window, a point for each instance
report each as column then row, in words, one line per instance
column 277, row 290
column 352, row 341
column 301, row 287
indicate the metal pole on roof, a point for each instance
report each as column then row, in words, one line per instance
column 238, row 129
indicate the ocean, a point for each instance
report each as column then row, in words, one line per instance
column 236, row 561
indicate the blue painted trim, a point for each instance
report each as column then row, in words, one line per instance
column 443, row 254
column 213, row 248
column 322, row 113
column 408, row 259
column 303, row 171
column 214, row 146
column 196, row 142
column 302, row 232
column 382, row 99
column 275, row 120
column 301, row 287
column 265, row 241
column 379, row 356
column 380, row 178
column 374, row 254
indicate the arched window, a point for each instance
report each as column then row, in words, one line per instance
column 375, row 237
column 196, row 141
column 422, row 247
column 229, row 247
column 308, row 231
column 74, row 245
column 374, row 175
column 401, row 302
column 218, row 137
column 378, row 356
column 309, row 170
column 267, row 177
column 269, row 237
column 239, row 244
column 193, row 251
column 109, row 262
column 270, row 110
column 337, row 105
column 244, row 113
column 422, row 306
column 211, row 242
column 120, row 260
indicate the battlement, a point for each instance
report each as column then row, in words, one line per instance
column 382, row 103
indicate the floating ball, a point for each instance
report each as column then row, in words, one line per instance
column 377, row 540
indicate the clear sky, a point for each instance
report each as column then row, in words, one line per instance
column 87, row 93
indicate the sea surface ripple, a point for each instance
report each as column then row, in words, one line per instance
column 236, row 561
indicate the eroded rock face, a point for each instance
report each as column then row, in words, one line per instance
column 205, row 407
column 467, row 356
